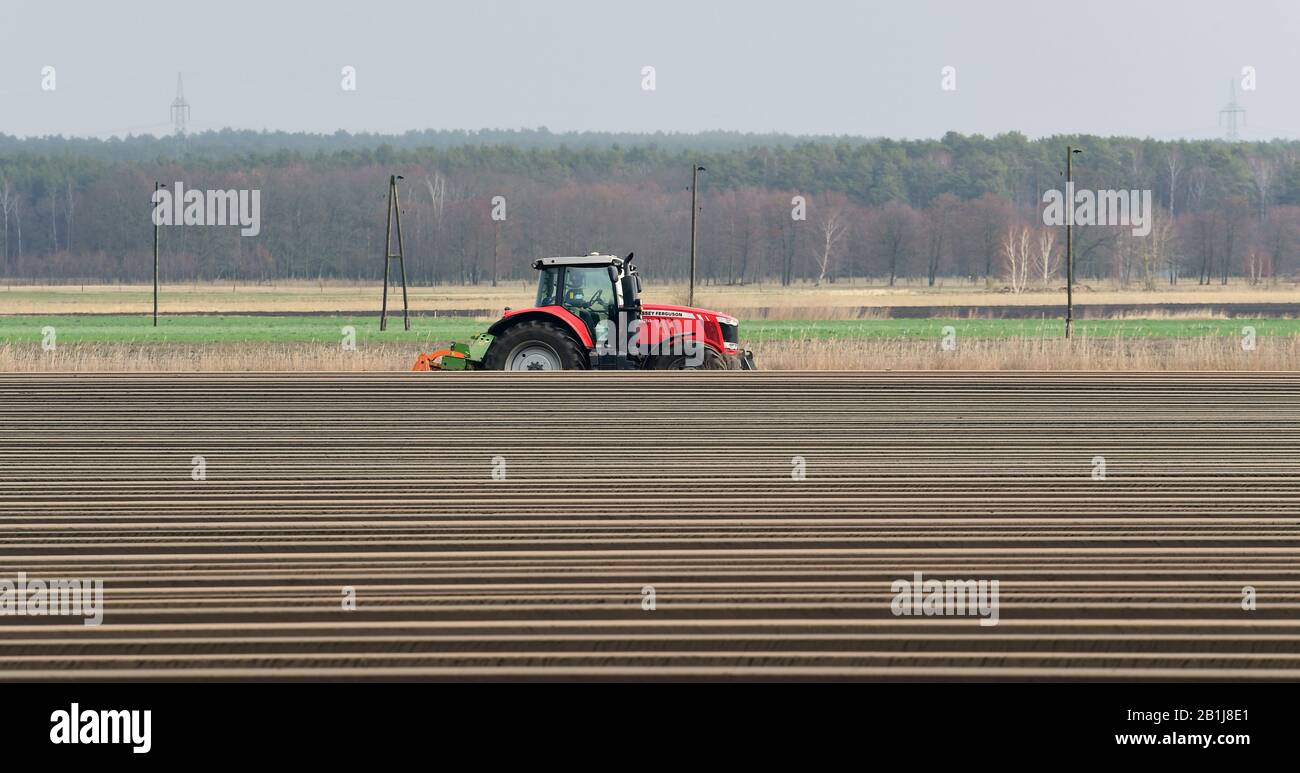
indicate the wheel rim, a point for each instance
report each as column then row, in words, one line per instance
column 533, row 356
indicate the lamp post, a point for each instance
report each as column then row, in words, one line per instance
column 695, row 179
column 1069, row 240
column 156, row 187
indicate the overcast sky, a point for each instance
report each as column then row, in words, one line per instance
column 1159, row 68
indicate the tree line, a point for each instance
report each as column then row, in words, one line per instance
column 479, row 207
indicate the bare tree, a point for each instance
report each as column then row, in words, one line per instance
column 68, row 205
column 1015, row 252
column 832, row 225
column 1279, row 237
column 1204, row 226
column 1049, row 260
column 940, row 215
column 1125, row 256
column 1257, row 266
column 6, row 205
column 1155, row 248
column 18, row 221
column 786, row 240
column 897, row 237
column 54, row 219
column 1199, row 183
column 1174, row 162
column 990, row 215
column 1261, row 172
column 1089, row 243
column 742, row 234
column 1236, row 214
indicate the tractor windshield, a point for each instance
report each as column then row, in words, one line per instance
column 588, row 294
column 547, row 285
column 588, row 289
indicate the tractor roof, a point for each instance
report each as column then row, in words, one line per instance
column 594, row 259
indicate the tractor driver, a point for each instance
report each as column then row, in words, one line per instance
column 573, row 295
column 585, row 291
column 576, row 292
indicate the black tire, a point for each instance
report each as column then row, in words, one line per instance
column 527, row 345
column 712, row 361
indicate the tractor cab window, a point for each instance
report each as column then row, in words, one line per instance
column 547, row 286
column 589, row 294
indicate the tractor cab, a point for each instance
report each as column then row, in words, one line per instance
column 602, row 291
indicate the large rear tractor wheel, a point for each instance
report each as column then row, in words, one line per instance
column 535, row 345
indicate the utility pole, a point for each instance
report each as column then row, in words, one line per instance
column 1069, row 240
column 695, row 180
column 156, row 186
column 394, row 213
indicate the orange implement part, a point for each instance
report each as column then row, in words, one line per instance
column 431, row 361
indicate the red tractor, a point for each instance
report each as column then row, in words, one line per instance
column 589, row 315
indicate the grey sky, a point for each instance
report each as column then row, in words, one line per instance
column 800, row 66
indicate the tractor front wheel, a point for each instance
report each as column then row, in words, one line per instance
column 535, row 345
column 712, row 361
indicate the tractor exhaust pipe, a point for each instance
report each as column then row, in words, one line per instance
column 631, row 287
